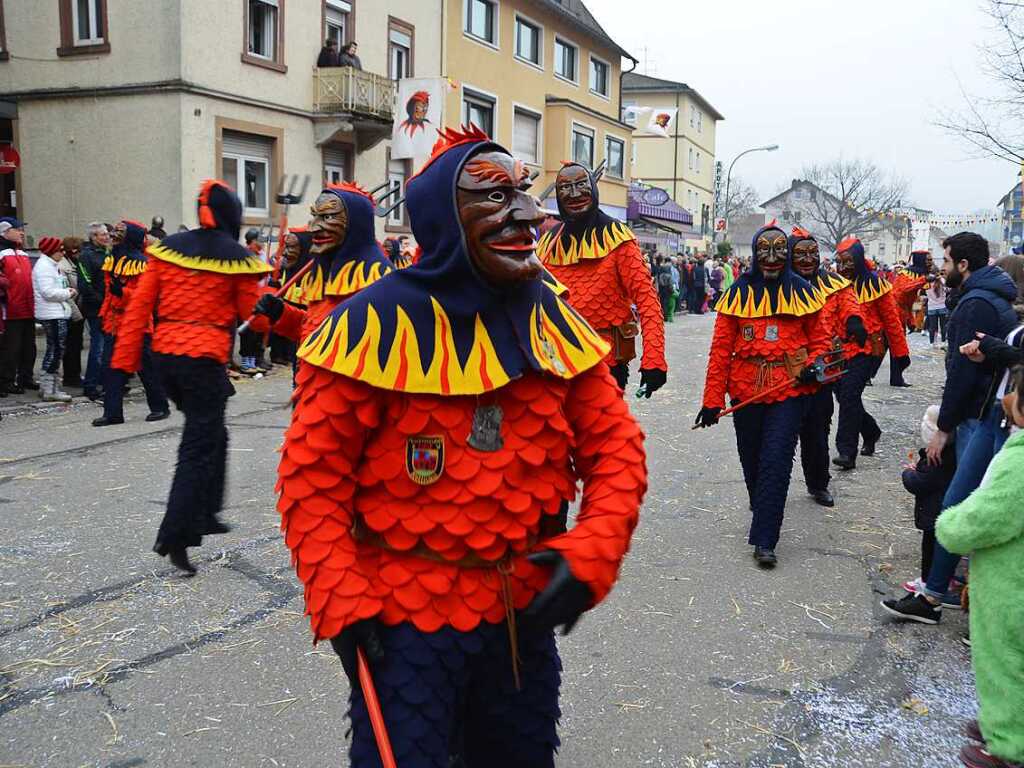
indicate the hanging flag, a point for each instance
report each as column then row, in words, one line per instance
column 659, row 122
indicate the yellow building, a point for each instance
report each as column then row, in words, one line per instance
column 684, row 164
column 542, row 78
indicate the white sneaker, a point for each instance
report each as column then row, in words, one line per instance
column 914, row 587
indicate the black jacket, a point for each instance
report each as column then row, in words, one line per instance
column 985, row 306
column 90, row 279
column 928, row 484
column 699, row 274
column 329, row 57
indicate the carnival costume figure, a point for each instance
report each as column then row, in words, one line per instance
column 122, row 270
column 348, row 258
column 841, row 318
column 907, row 284
column 599, row 261
column 442, row 416
column 197, row 285
column 767, row 333
column 864, row 352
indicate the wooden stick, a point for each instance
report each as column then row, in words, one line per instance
column 380, row 732
column 770, row 391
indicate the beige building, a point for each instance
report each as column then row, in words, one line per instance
column 684, row 164
column 542, row 78
column 120, row 108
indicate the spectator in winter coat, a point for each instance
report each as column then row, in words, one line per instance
column 18, row 344
column 53, row 301
column 699, row 289
column 72, row 362
column 329, row 56
column 349, row 58
column 90, row 299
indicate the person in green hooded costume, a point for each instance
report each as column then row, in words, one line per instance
column 989, row 525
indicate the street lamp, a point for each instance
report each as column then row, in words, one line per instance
column 728, row 177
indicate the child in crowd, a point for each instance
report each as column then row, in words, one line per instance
column 989, row 525
column 53, row 302
column 928, row 485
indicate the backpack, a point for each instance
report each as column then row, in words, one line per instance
column 665, row 279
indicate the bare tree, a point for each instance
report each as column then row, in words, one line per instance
column 853, row 197
column 742, row 200
column 992, row 126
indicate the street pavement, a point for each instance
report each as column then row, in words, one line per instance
column 109, row 660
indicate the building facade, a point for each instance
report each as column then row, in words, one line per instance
column 683, row 164
column 120, row 108
column 1009, row 213
column 542, row 78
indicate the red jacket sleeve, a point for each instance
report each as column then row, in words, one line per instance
column 719, row 360
column 316, row 482
column 289, row 324
column 136, row 321
column 889, row 312
column 636, row 278
column 610, row 460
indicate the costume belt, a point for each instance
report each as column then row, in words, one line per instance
column 763, row 377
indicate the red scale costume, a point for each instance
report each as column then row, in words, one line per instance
column 442, row 417
column 599, row 261
column 197, row 286
column 347, row 260
column 864, row 355
column 840, row 319
column 767, row 333
column 123, row 270
column 907, row 285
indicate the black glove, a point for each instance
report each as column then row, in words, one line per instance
column 855, row 330
column 652, row 379
column 363, row 634
column 269, row 305
column 563, row 600
column 903, row 362
column 809, row 374
column 707, row 417
column 116, row 289
column 989, row 344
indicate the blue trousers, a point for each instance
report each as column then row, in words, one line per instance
column 854, row 420
column 449, row 699
column 766, row 439
column 814, row 432
column 977, row 442
column 94, row 364
column 114, row 382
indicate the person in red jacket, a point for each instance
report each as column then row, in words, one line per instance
column 441, row 417
column 122, row 269
column 597, row 258
column 198, row 284
column 347, row 255
column 907, row 285
column 841, row 318
column 864, row 355
column 18, row 341
column 767, row 333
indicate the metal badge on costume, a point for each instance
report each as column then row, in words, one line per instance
column 486, row 432
column 771, row 333
column 424, row 458
column 748, row 332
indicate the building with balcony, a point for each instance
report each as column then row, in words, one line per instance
column 120, row 108
column 684, row 164
column 542, row 78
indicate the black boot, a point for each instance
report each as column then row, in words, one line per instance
column 844, row 462
column 178, row 556
column 869, row 447
column 822, row 497
column 765, row 557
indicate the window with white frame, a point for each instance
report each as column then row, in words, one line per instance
column 263, row 19
column 700, row 121
column 582, row 146
column 696, row 162
column 397, row 176
column 482, row 20
column 87, row 22
column 336, row 21
column 478, row 109
column 689, row 158
column 566, row 55
column 614, row 155
column 526, row 136
column 598, row 77
column 399, row 51
column 528, row 41
column 245, row 165
column 693, row 117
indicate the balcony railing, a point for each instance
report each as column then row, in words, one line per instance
column 345, row 89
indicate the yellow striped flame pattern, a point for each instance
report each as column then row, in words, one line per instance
column 596, row 244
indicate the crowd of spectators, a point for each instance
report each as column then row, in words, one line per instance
column 690, row 284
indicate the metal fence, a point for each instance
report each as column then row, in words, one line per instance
column 346, row 89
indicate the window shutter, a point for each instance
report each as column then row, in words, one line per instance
column 524, row 136
column 236, row 143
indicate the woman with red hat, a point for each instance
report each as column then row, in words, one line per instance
column 53, row 297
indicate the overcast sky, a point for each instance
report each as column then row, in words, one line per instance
column 823, row 77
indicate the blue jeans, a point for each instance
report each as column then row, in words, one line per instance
column 977, row 442
column 56, row 338
column 94, row 365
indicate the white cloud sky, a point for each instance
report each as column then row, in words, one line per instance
column 823, row 78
